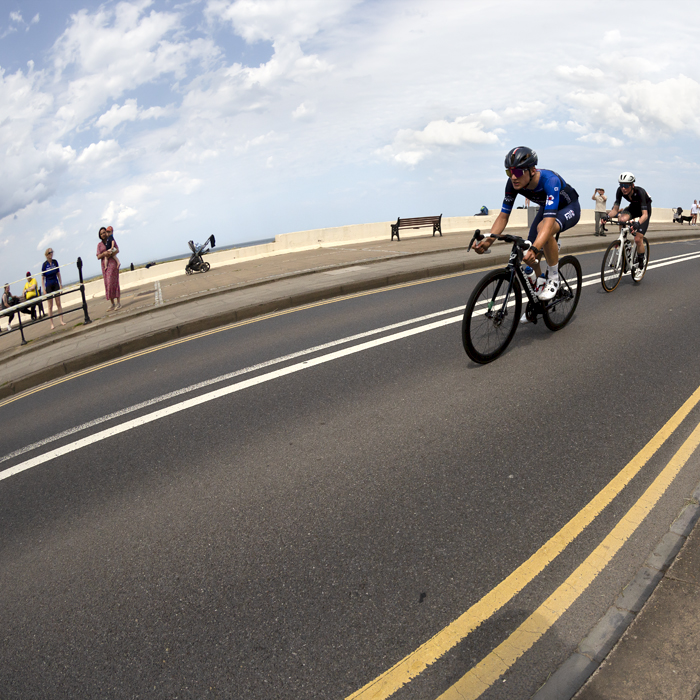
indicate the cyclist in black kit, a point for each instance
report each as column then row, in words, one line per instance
column 639, row 208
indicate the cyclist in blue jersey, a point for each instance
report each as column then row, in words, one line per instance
column 559, row 210
column 639, row 207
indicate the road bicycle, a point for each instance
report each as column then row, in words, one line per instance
column 621, row 257
column 492, row 314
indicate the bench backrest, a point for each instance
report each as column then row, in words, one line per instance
column 419, row 221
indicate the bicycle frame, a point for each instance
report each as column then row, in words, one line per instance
column 626, row 248
column 514, row 267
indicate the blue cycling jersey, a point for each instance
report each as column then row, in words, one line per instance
column 551, row 192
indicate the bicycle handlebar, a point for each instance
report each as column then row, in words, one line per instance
column 634, row 225
column 522, row 243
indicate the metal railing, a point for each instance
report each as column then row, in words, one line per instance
column 25, row 306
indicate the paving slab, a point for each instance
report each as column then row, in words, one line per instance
column 658, row 657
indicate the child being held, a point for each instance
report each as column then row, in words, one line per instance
column 111, row 246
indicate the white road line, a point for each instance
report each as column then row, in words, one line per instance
column 159, row 294
column 252, row 382
column 222, row 378
column 218, row 393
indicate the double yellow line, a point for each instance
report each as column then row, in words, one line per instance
column 484, row 674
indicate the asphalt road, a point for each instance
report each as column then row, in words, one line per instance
column 298, row 535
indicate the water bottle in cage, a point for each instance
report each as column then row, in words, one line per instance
column 530, row 275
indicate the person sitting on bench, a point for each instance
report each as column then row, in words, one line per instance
column 31, row 290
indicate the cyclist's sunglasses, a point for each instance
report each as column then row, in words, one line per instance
column 515, row 172
column 625, row 185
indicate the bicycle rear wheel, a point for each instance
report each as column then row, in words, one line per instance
column 611, row 270
column 558, row 312
column 638, row 274
column 490, row 319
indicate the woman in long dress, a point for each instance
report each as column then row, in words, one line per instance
column 110, row 269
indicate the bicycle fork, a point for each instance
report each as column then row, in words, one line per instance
column 499, row 314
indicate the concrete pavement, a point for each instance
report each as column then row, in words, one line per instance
column 658, row 656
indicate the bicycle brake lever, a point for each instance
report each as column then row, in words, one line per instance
column 478, row 236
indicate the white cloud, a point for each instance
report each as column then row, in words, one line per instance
column 575, row 127
column 116, row 115
column 50, row 237
column 672, row 106
column 117, row 213
column 102, row 154
column 304, row 111
column 641, row 110
column 410, row 147
column 271, row 20
column 580, row 73
column 128, row 112
column 115, row 50
column 177, row 181
column 601, row 139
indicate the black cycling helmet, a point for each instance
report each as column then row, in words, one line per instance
column 521, row 157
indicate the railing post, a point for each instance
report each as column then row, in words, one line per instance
column 79, row 263
column 21, row 330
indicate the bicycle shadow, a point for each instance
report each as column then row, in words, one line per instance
column 526, row 335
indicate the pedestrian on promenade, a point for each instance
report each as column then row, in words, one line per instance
column 52, row 283
column 7, row 301
column 600, row 209
column 694, row 213
column 110, row 269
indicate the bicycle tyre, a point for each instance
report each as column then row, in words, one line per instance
column 612, row 267
column 559, row 312
column 636, row 278
column 486, row 337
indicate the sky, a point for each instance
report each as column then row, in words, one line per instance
column 171, row 120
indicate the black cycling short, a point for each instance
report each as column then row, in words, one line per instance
column 52, row 287
column 635, row 211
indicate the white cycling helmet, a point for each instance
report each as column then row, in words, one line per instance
column 626, row 179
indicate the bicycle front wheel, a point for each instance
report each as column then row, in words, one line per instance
column 611, row 271
column 558, row 312
column 637, row 274
column 491, row 316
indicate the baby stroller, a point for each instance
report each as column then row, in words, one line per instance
column 196, row 263
column 678, row 217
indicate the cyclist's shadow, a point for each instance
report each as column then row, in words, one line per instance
column 527, row 335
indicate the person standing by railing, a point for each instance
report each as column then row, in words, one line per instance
column 110, row 269
column 600, row 199
column 51, row 274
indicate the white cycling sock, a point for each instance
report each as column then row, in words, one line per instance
column 553, row 271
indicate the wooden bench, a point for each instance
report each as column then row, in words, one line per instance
column 419, row 222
